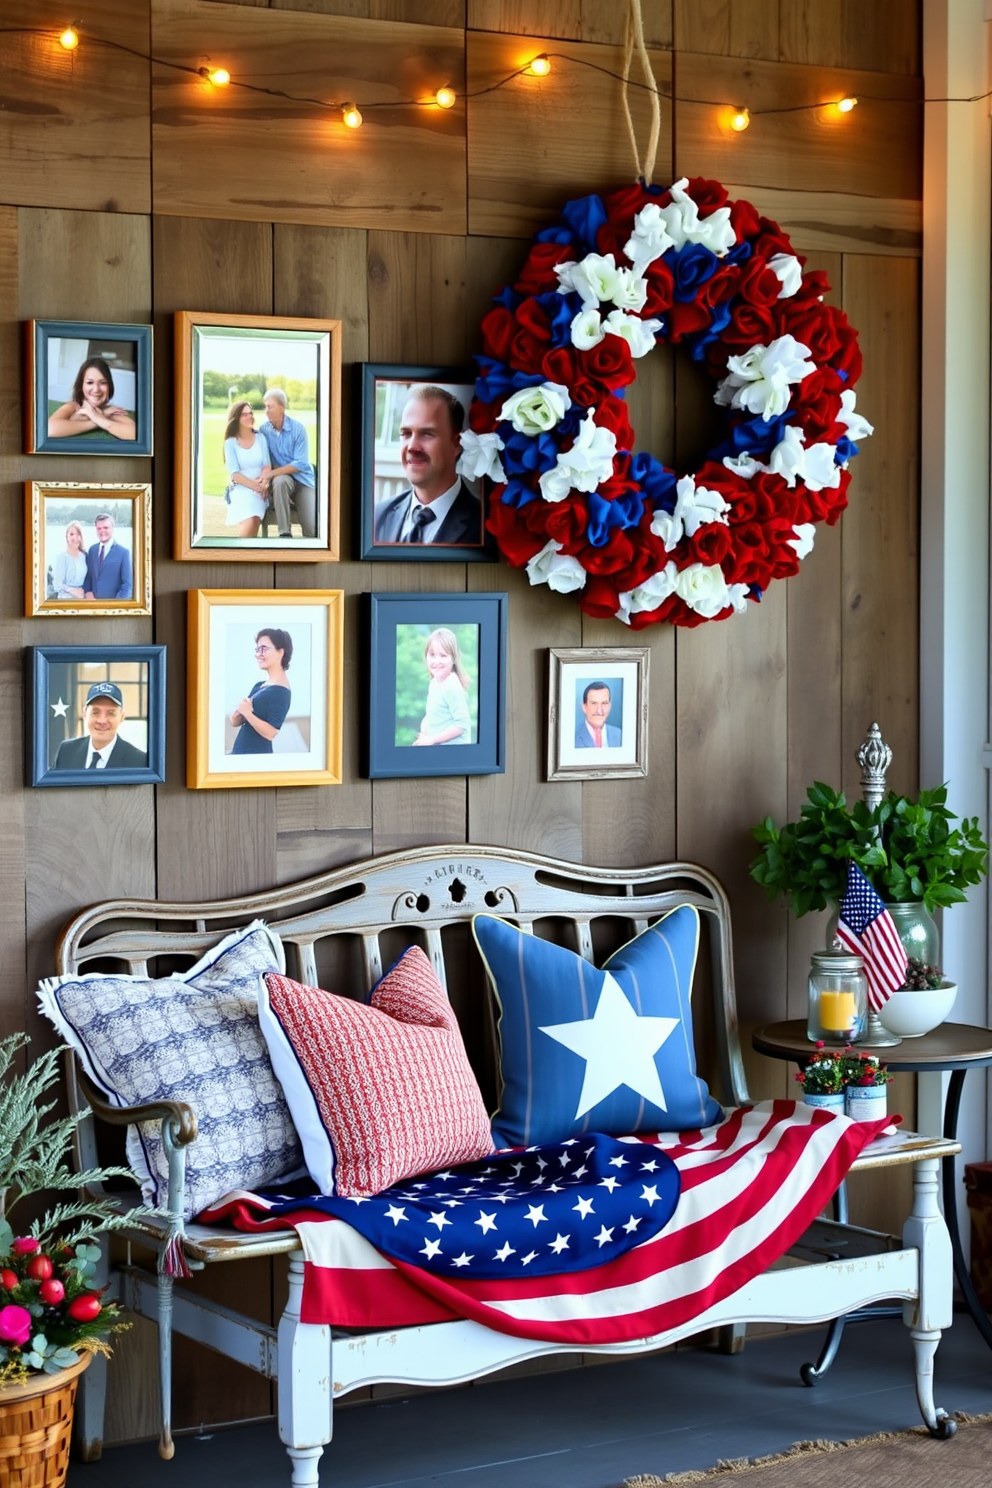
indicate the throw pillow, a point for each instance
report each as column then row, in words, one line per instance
column 191, row 1037
column 379, row 1091
column 582, row 1049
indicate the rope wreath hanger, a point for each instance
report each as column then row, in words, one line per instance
column 570, row 500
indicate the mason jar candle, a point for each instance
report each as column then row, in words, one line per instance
column 838, row 997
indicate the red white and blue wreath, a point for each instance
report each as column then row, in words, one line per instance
column 549, row 427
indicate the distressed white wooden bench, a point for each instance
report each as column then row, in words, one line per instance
column 339, row 930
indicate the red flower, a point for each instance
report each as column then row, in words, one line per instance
column 9, row 1280
column 744, row 219
column 566, row 521
column 818, row 403
column 665, row 611
column 661, row 288
column 15, row 1325
column 614, row 555
column 612, row 414
column 609, row 363
column 538, row 274
column 40, row 1268
column 517, row 545
column 759, row 285
column 26, row 1245
column 814, row 326
column 771, row 240
column 708, row 195
column 483, row 417
column 599, row 597
column 750, row 325
column 711, row 544
column 51, row 1291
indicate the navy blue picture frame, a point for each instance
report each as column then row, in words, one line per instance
column 367, row 376
column 40, row 335
column 43, row 669
column 382, row 757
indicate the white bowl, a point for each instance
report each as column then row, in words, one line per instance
column 911, row 1014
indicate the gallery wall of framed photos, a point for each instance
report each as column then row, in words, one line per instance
column 248, row 214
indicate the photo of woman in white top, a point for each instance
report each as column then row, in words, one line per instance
column 249, row 465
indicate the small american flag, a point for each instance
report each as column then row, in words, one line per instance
column 867, row 929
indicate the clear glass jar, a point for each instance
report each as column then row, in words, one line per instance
column 917, row 930
column 838, row 997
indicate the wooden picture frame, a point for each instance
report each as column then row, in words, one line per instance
column 404, row 702
column 226, row 361
column 84, row 698
column 598, row 691
column 117, row 359
column 54, row 559
column 382, row 391
column 300, row 738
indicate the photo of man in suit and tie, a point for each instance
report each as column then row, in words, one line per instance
column 437, row 506
column 108, row 564
column 101, row 748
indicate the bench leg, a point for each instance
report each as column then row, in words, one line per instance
column 166, row 1446
column 926, row 1232
column 305, row 1398
column 91, row 1391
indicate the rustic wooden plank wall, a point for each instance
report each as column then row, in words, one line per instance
column 130, row 190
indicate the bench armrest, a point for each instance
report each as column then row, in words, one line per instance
column 181, row 1117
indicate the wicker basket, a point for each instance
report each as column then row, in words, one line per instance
column 35, row 1426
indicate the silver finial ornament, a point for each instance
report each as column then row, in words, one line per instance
column 874, row 757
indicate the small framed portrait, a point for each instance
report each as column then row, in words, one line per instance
column 418, row 504
column 437, row 702
column 265, row 687
column 258, row 437
column 97, row 715
column 88, row 549
column 89, row 388
column 598, row 713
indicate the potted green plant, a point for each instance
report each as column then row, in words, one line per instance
column 822, row 1079
column 917, row 855
column 53, row 1316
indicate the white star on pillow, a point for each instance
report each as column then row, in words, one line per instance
column 618, row 1045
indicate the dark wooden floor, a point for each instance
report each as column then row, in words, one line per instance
column 592, row 1428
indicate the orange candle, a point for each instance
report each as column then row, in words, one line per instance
column 838, row 1012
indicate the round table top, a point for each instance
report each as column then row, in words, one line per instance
column 951, row 1046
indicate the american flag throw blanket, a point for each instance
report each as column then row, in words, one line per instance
column 750, row 1186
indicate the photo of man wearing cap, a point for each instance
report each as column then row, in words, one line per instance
column 100, row 748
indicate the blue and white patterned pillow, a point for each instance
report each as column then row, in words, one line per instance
column 608, row 1050
column 190, row 1037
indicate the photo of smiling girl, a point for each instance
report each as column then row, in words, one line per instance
column 90, row 408
column 447, row 719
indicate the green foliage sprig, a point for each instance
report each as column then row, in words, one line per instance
column 908, row 850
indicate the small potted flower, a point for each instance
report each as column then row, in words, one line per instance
column 53, row 1315
column 865, row 1085
column 923, row 1001
column 822, row 1079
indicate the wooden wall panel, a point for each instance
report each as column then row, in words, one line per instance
column 601, row 21
column 271, row 158
column 884, row 36
column 74, row 125
column 789, row 150
column 560, row 136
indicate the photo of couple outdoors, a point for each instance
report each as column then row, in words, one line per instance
column 257, row 437
column 418, row 494
column 88, row 550
column 437, row 685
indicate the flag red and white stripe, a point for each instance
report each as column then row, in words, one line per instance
column 866, row 928
column 750, row 1187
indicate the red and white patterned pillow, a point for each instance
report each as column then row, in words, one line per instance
column 378, row 1091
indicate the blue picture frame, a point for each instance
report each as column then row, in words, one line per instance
column 56, row 351
column 380, row 386
column 403, row 697
column 58, row 680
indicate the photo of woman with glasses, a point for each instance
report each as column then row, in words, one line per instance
column 263, row 712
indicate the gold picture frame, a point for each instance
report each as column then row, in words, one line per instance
column 55, row 582
column 223, row 362
column 243, row 642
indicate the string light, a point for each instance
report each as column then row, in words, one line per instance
column 219, row 76
column 541, row 65
column 69, row 39
column 351, row 115
column 845, row 105
column 445, row 97
column 740, row 119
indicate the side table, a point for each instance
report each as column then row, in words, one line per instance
column 954, row 1047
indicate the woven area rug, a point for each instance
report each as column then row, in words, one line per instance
column 911, row 1459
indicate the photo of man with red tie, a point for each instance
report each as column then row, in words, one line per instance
column 592, row 730
column 108, row 564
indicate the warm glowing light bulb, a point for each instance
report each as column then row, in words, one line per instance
column 846, row 105
column 541, row 65
column 740, row 119
column 69, row 39
column 219, row 76
column 351, row 116
column 445, row 97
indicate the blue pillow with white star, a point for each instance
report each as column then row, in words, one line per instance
column 585, row 1049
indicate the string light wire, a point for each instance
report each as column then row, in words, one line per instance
column 337, row 106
